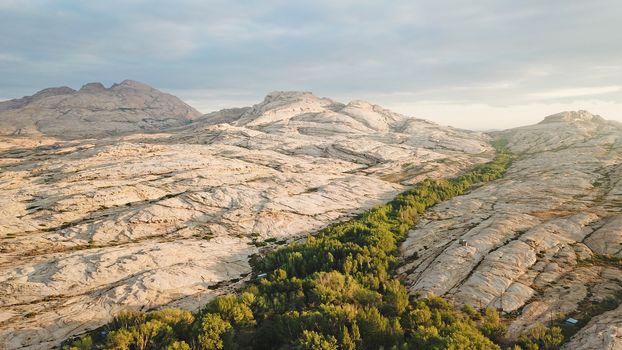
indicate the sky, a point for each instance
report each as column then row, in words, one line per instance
column 470, row 64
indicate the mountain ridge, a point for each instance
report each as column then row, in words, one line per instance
column 281, row 105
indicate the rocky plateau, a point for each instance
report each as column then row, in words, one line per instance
column 125, row 198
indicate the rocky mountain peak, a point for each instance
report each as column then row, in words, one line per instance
column 92, row 87
column 282, row 98
column 283, row 111
column 360, row 104
column 131, row 84
column 160, row 219
column 53, row 91
column 572, row 116
column 283, row 105
column 21, row 102
column 171, row 218
column 94, row 111
column 288, row 95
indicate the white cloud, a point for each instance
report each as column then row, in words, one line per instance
column 9, row 57
column 210, row 100
column 575, row 92
column 470, row 60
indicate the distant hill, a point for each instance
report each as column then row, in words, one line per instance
column 93, row 111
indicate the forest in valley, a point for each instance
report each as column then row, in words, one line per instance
column 337, row 290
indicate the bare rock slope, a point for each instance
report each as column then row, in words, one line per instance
column 91, row 227
column 535, row 243
column 93, row 111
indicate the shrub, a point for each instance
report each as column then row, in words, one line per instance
column 492, row 326
column 311, row 340
column 214, row 333
column 540, row 337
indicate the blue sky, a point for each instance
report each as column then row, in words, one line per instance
column 472, row 64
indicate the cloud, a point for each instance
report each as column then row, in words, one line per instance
column 486, row 53
column 575, row 92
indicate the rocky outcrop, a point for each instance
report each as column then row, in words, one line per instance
column 94, row 111
column 91, row 227
column 525, row 243
column 603, row 332
column 573, row 116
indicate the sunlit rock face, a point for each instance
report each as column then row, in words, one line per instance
column 524, row 243
column 89, row 227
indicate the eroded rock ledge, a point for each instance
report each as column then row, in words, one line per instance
column 525, row 243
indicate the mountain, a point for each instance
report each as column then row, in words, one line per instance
column 93, row 111
column 171, row 212
column 537, row 242
column 140, row 220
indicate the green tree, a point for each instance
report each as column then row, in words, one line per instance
column 310, row 340
column 471, row 312
column 232, row 309
column 540, row 337
column 127, row 319
column 120, row 339
column 395, row 297
column 214, row 333
column 179, row 320
column 377, row 330
column 347, row 343
column 492, row 326
column 153, row 334
column 178, row 345
column 85, row 343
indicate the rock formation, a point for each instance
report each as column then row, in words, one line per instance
column 125, row 198
column 93, row 111
column 91, row 227
column 527, row 243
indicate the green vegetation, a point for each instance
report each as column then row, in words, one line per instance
column 590, row 308
column 335, row 291
column 492, row 326
column 540, row 337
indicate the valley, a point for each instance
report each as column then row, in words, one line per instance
column 95, row 226
column 102, row 220
column 529, row 240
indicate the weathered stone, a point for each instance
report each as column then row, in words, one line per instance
column 529, row 234
column 91, row 227
column 602, row 332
